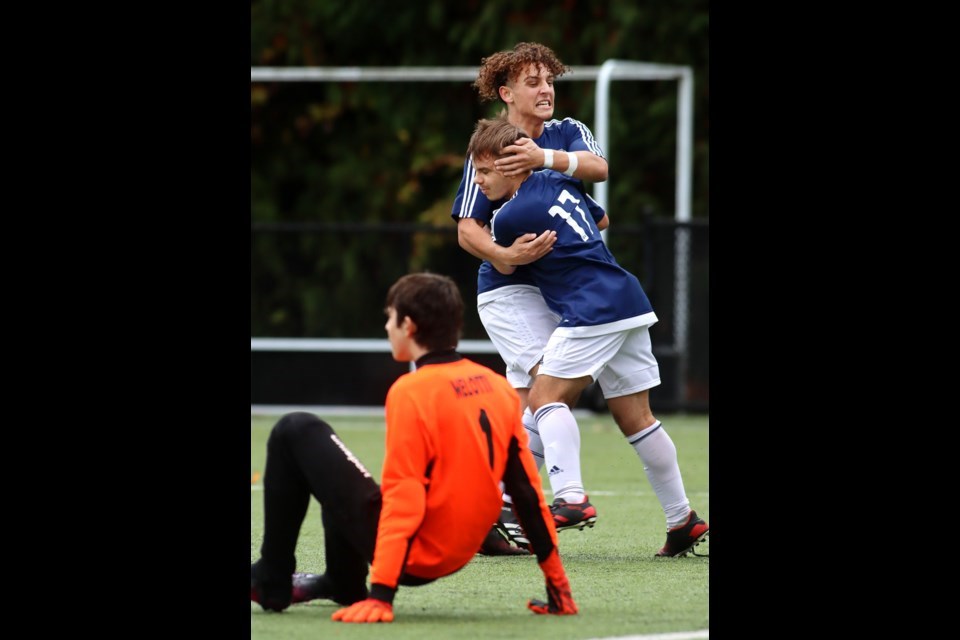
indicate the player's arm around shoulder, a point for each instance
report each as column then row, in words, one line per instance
column 525, row 155
column 589, row 164
column 527, row 248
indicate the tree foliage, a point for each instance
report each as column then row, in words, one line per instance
column 390, row 153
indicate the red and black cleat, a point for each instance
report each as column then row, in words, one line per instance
column 681, row 540
column 571, row 515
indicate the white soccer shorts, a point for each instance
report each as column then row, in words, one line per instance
column 621, row 362
column 518, row 323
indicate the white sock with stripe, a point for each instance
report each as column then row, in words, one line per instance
column 659, row 457
column 561, row 450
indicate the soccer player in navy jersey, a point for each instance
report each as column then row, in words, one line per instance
column 514, row 314
column 603, row 332
column 523, row 79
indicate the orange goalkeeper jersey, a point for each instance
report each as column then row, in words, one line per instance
column 453, row 433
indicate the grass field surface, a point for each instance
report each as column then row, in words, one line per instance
column 620, row 588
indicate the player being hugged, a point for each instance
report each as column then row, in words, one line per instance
column 603, row 334
column 453, row 429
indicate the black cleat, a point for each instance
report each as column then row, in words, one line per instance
column 496, row 545
column 271, row 594
column 681, row 540
column 509, row 527
column 568, row 515
column 309, row 586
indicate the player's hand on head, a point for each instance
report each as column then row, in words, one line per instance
column 522, row 155
column 369, row 610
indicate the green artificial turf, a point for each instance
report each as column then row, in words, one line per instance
column 620, row 588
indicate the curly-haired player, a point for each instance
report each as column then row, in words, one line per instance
column 514, row 314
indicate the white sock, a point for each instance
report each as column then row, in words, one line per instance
column 561, row 450
column 659, row 457
column 536, row 445
column 533, row 434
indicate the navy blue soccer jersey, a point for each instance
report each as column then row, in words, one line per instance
column 567, row 135
column 580, row 279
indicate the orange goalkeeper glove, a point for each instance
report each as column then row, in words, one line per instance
column 559, row 599
column 369, row 610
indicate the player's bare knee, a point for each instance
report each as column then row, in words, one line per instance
column 631, row 413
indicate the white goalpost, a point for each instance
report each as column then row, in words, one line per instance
column 603, row 75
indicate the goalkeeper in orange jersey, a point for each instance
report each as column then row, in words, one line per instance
column 453, row 434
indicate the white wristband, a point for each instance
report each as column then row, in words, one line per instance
column 572, row 158
column 548, row 158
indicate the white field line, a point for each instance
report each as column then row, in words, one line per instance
column 678, row 635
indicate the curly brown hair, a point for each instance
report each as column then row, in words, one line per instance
column 502, row 66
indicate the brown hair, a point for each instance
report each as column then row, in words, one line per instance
column 434, row 303
column 505, row 66
column 491, row 136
